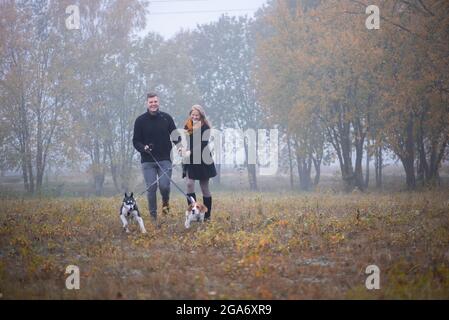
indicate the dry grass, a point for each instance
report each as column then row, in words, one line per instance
column 257, row 247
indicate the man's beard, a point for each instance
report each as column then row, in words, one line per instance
column 154, row 112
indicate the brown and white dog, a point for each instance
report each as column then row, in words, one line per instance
column 195, row 213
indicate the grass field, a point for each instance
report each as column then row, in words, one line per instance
column 258, row 246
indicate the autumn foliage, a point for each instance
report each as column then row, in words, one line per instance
column 270, row 247
column 368, row 89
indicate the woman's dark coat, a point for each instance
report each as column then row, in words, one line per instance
column 205, row 169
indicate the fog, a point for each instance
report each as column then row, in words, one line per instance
column 346, row 96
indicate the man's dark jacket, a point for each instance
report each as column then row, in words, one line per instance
column 154, row 131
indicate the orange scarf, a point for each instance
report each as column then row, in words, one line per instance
column 189, row 126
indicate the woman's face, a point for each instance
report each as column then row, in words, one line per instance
column 195, row 115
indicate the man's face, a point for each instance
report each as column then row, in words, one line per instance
column 153, row 104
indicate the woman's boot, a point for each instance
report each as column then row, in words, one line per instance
column 208, row 203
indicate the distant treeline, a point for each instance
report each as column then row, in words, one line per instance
column 335, row 90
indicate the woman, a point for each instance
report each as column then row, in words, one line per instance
column 199, row 165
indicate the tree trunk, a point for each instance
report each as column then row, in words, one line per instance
column 98, row 169
column 304, row 170
column 290, row 162
column 348, row 175
column 378, row 164
column 39, row 149
column 341, row 142
column 115, row 177
column 251, row 168
column 368, row 159
column 346, row 147
column 436, row 156
column 339, row 135
column 115, row 171
column 304, row 166
column 317, row 166
column 422, row 169
column 409, row 173
column 359, row 142
column 29, row 166
column 26, row 182
column 358, row 173
column 252, row 177
column 309, row 172
column 408, row 159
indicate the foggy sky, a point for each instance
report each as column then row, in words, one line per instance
column 167, row 17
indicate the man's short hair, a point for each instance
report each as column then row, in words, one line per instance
column 151, row 95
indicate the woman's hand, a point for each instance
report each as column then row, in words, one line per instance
column 183, row 152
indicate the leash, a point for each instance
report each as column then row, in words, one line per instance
column 157, row 179
column 165, row 172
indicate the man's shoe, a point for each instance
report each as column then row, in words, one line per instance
column 165, row 208
column 153, row 218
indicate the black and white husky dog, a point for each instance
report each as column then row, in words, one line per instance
column 129, row 212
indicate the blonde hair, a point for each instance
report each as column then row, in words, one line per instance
column 189, row 123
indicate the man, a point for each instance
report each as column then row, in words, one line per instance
column 152, row 132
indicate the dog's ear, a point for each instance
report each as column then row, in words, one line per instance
column 203, row 208
column 132, row 194
column 126, row 195
column 190, row 207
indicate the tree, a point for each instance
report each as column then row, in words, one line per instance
column 387, row 86
column 223, row 60
column 314, row 66
column 107, row 88
column 32, row 82
column 415, row 83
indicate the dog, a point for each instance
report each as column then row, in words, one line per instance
column 129, row 211
column 195, row 213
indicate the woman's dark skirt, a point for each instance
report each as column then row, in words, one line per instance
column 199, row 171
